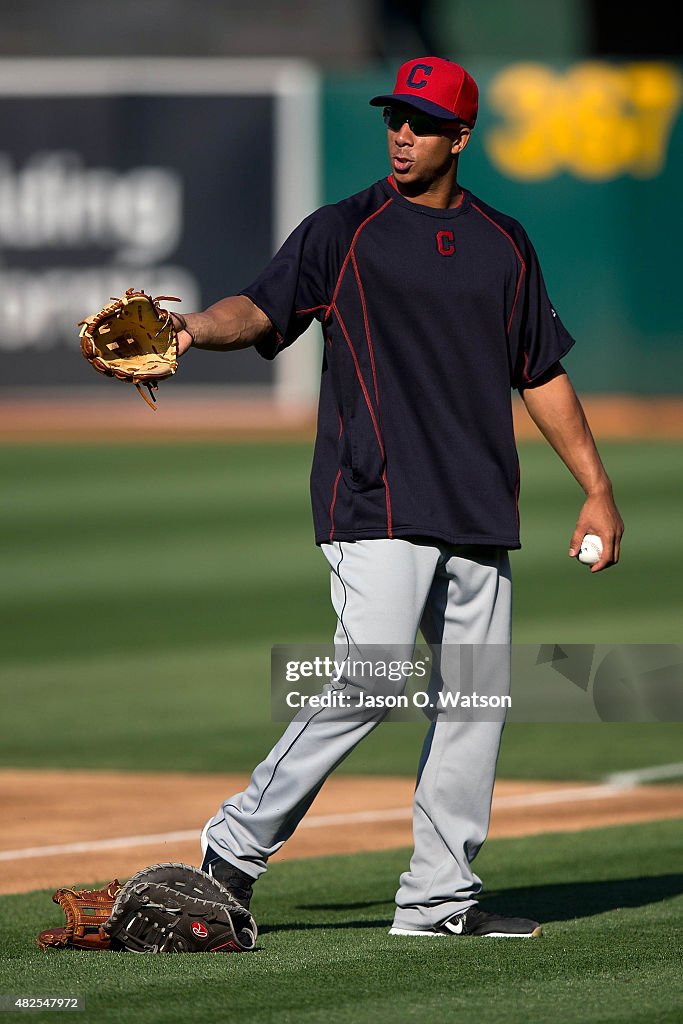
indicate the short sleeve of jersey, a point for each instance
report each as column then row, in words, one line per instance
column 539, row 337
column 294, row 288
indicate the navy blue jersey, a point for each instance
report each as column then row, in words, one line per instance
column 429, row 318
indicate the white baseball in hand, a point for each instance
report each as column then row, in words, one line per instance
column 591, row 549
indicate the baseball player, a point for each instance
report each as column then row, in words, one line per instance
column 433, row 307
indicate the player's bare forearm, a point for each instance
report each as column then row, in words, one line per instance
column 555, row 409
column 557, row 412
column 231, row 323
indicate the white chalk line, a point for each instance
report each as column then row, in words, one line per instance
column 93, row 845
column 605, row 791
column 639, row 775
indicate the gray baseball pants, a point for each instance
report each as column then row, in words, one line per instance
column 383, row 591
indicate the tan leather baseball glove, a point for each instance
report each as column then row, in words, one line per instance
column 133, row 339
column 85, row 911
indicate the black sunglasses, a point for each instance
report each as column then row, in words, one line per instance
column 419, row 124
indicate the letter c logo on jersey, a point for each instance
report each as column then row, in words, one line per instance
column 445, row 243
column 417, row 79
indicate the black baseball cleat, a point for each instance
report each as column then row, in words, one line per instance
column 235, row 881
column 238, row 884
column 476, row 921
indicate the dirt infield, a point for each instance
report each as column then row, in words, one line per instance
column 121, row 415
column 74, row 827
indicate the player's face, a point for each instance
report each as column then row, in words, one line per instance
column 421, row 149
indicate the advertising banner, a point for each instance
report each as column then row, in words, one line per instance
column 167, row 176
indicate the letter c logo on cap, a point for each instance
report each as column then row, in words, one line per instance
column 417, row 79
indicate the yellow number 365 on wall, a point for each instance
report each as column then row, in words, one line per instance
column 596, row 121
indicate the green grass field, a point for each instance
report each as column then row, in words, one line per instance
column 203, row 556
column 611, row 951
column 216, row 562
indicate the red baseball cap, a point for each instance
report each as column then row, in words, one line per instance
column 436, row 86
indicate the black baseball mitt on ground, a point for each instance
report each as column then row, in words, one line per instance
column 176, row 908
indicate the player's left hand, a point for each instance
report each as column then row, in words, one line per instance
column 600, row 516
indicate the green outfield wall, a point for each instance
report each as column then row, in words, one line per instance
column 589, row 157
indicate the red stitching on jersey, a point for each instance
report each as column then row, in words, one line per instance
column 518, row 254
column 364, row 389
column 374, row 380
column 367, row 329
column 333, row 503
column 388, row 502
column 333, row 306
column 368, row 402
column 349, row 253
column 300, row 312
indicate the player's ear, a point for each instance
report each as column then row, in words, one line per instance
column 460, row 138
